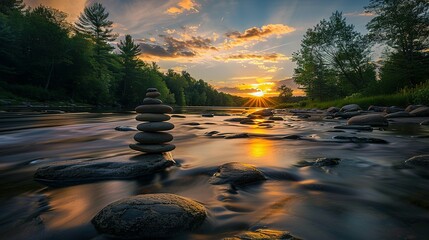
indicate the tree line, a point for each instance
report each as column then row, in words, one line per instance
column 335, row 60
column 45, row 58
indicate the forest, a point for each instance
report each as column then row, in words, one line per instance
column 336, row 61
column 45, row 58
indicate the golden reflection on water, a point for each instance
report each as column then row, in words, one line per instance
column 78, row 204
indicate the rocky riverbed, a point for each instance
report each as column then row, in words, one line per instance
column 306, row 174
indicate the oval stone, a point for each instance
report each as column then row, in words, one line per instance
column 152, row 148
column 154, row 109
column 237, row 174
column 150, row 216
column 153, row 94
column 153, row 138
column 152, row 90
column 148, row 101
column 152, row 117
column 155, row 126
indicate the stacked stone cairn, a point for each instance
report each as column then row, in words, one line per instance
column 152, row 138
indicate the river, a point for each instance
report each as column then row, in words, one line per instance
column 364, row 197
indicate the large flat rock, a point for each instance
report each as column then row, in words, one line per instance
column 150, row 216
column 69, row 172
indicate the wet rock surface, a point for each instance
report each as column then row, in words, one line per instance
column 374, row 120
column 418, row 161
column 263, row 234
column 237, row 174
column 150, row 216
column 70, row 172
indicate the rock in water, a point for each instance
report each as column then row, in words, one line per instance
column 237, row 174
column 153, row 137
column 152, row 117
column 373, row 120
column 398, row 114
column 70, row 172
column 148, row 101
column 155, row 126
column 420, row 112
column 350, row 108
column 263, row 234
column 152, row 148
column 160, row 215
column 158, row 108
column 418, row 161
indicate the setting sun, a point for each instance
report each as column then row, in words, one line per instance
column 258, row 93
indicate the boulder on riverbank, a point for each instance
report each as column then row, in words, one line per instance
column 70, row 172
column 160, row 215
column 237, row 174
column 350, row 108
column 420, row 112
column 374, row 120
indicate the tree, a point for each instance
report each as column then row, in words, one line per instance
column 129, row 52
column 403, row 25
column 335, row 56
column 8, row 6
column 94, row 22
column 285, row 92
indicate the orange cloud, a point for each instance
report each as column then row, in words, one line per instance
column 237, row 38
column 72, row 7
column 182, row 6
column 255, row 58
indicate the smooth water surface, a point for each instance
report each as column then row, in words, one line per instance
column 364, row 197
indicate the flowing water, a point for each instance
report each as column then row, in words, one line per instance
column 364, row 197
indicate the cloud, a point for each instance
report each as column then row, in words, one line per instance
column 174, row 47
column 72, row 7
column 254, row 58
column 236, row 38
column 182, row 6
column 236, row 90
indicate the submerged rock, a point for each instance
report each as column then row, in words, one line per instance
column 412, row 107
column 355, row 127
column 426, row 122
column 150, row 216
column 374, row 120
column 68, row 172
column 238, row 135
column 207, row 115
column 418, row 161
column 178, row 116
column 125, row 128
column 263, row 234
column 346, row 115
column 361, row 140
column 398, row 114
column 322, row 162
column 237, row 119
column 264, row 112
column 237, row 174
column 275, row 118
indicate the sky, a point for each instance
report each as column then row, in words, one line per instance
column 238, row 46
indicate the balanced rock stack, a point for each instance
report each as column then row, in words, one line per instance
column 152, row 139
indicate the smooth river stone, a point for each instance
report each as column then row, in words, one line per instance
column 152, row 117
column 148, row 101
column 155, row 126
column 153, row 94
column 153, row 138
column 152, row 148
column 152, row 90
column 121, row 167
column 150, row 216
column 154, row 109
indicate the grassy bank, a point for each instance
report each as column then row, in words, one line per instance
column 416, row 95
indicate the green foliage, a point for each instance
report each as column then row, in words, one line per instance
column 420, row 94
column 403, row 25
column 333, row 60
column 94, row 23
column 285, row 93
